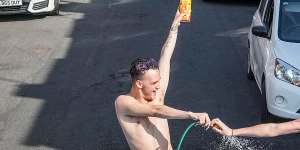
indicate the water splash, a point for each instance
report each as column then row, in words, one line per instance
column 237, row 143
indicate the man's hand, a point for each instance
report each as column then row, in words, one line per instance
column 221, row 128
column 176, row 21
column 202, row 118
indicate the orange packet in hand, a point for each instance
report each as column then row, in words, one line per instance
column 185, row 8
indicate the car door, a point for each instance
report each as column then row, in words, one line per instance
column 257, row 21
column 263, row 44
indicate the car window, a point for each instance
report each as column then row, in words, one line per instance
column 262, row 7
column 289, row 21
column 268, row 16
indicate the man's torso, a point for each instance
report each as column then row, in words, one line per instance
column 146, row 133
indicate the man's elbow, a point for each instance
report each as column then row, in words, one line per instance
column 156, row 111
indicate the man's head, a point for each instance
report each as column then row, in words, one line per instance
column 145, row 76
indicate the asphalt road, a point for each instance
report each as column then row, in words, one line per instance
column 59, row 75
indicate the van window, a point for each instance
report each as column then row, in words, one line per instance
column 289, row 21
column 262, row 7
column 268, row 17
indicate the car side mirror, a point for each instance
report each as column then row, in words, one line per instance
column 260, row 31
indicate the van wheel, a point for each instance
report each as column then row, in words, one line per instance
column 250, row 74
column 266, row 116
column 55, row 12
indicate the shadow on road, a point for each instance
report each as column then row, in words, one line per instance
column 20, row 17
column 79, row 91
column 78, row 94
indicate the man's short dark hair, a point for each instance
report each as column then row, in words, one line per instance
column 140, row 65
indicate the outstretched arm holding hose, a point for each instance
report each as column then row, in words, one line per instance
column 125, row 104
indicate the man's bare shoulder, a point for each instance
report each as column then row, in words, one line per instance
column 123, row 101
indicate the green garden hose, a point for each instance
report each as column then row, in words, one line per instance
column 184, row 134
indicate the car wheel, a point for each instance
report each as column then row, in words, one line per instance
column 266, row 116
column 250, row 74
column 55, row 12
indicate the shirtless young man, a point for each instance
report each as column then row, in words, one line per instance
column 261, row 130
column 142, row 113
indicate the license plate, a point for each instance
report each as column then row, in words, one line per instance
column 6, row 3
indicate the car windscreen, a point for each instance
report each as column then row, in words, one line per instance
column 289, row 21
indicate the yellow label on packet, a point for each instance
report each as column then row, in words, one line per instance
column 185, row 8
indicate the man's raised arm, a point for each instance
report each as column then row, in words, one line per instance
column 167, row 52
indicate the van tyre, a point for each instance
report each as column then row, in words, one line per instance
column 266, row 116
column 55, row 12
column 250, row 74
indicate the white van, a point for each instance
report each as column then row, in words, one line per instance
column 274, row 56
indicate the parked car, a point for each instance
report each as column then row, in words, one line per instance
column 274, row 56
column 29, row 7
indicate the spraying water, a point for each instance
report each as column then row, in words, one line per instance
column 196, row 137
column 236, row 143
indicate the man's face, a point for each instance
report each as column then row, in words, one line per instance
column 151, row 84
